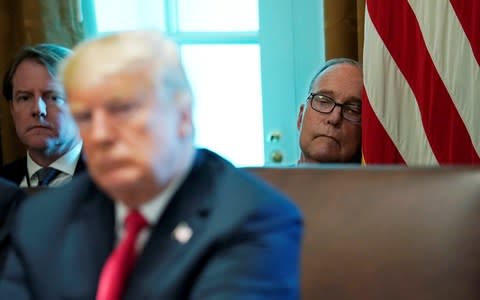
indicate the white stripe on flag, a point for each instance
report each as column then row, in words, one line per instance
column 392, row 99
column 453, row 57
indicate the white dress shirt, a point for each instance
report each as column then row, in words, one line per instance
column 66, row 164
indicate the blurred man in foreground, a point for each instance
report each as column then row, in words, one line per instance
column 154, row 218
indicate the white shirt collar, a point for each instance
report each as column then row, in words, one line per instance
column 66, row 163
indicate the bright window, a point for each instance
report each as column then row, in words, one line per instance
column 217, row 15
column 249, row 62
column 129, row 14
column 230, row 95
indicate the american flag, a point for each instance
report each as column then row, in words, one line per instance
column 421, row 102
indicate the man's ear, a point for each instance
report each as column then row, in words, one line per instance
column 186, row 124
column 300, row 116
column 186, row 119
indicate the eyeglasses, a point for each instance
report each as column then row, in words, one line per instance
column 323, row 104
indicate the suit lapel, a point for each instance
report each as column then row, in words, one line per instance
column 16, row 170
column 88, row 241
column 164, row 250
column 21, row 171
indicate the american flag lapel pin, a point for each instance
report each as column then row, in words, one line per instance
column 182, row 233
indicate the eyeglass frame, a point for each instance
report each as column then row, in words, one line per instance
column 335, row 104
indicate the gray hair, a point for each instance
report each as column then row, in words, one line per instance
column 333, row 62
column 48, row 55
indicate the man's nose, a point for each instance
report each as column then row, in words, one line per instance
column 335, row 117
column 99, row 130
column 39, row 109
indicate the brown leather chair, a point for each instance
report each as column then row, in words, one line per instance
column 386, row 233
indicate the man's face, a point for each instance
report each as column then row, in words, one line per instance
column 130, row 128
column 328, row 137
column 39, row 111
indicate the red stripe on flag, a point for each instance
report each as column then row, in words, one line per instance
column 398, row 28
column 377, row 147
column 468, row 13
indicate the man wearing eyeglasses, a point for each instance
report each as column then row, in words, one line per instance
column 329, row 122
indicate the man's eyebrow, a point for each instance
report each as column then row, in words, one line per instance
column 17, row 92
column 353, row 100
column 349, row 100
column 49, row 90
column 329, row 93
column 53, row 91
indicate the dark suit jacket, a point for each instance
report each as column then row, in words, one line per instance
column 245, row 242
column 16, row 170
column 10, row 195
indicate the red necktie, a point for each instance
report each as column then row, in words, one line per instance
column 121, row 261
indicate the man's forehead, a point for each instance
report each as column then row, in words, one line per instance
column 29, row 68
column 117, row 88
column 346, row 69
column 49, row 82
column 339, row 75
column 343, row 82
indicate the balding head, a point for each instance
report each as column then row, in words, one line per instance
column 330, row 64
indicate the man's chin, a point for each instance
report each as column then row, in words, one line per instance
column 116, row 180
column 40, row 143
column 326, row 155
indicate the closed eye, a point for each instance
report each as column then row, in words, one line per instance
column 353, row 109
column 122, row 109
column 82, row 117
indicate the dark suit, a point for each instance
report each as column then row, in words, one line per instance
column 245, row 242
column 10, row 195
column 16, row 170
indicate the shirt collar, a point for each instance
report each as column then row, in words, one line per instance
column 66, row 163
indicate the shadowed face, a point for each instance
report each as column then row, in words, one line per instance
column 39, row 111
column 328, row 137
